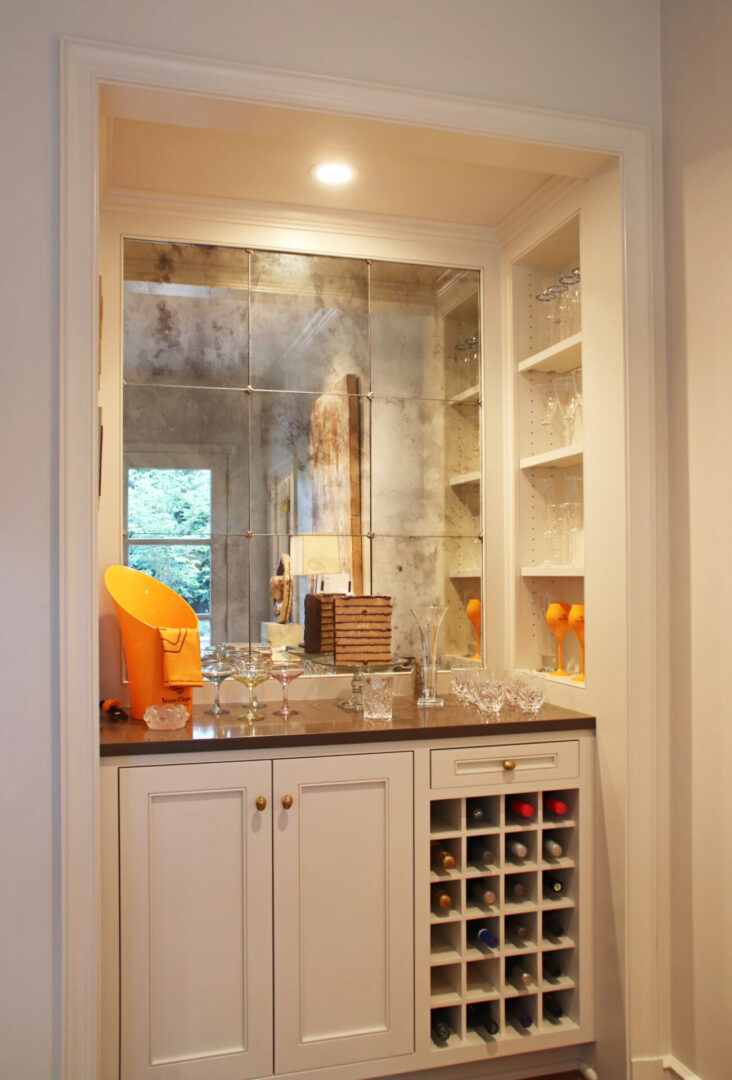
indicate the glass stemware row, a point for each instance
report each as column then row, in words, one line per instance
column 561, row 397
column 251, row 666
column 492, row 691
column 563, row 302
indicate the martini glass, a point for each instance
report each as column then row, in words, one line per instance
column 285, row 672
column 251, row 671
column 215, row 671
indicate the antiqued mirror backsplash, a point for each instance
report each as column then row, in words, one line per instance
column 270, row 395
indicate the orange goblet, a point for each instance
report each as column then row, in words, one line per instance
column 473, row 611
column 577, row 623
column 557, row 618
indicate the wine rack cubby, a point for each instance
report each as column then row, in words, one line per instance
column 504, row 951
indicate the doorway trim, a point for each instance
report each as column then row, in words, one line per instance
column 85, row 65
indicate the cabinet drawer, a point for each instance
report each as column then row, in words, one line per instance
column 477, row 766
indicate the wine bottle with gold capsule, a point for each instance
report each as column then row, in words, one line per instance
column 441, row 857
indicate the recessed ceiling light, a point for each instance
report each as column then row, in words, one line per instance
column 333, row 172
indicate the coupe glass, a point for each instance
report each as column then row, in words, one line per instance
column 251, row 671
column 215, row 671
column 285, row 672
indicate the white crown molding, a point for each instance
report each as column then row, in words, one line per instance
column 299, row 218
column 523, row 216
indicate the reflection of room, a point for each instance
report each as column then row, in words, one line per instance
column 337, row 397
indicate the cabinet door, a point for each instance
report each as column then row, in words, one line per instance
column 344, row 920
column 195, row 912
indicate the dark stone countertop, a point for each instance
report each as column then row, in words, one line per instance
column 322, row 723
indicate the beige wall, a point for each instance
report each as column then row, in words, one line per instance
column 584, row 56
column 697, row 77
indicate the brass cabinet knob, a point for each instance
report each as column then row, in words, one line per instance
column 287, row 801
column 509, row 765
column 260, row 802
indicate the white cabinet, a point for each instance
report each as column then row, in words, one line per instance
column 196, row 904
column 195, row 922
column 344, row 988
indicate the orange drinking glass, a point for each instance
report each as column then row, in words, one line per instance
column 557, row 618
column 577, row 623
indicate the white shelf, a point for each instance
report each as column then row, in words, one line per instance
column 562, row 458
column 566, row 355
column 474, row 573
column 471, row 394
column 552, row 571
column 565, row 680
column 465, row 478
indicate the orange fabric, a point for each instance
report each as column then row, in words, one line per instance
column 181, row 656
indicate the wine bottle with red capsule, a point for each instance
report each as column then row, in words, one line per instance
column 522, row 808
column 555, row 806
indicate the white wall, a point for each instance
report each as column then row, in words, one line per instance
column 697, row 84
column 584, row 56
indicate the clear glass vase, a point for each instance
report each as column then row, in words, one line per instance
column 429, row 619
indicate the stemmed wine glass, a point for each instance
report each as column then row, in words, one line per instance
column 569, row 401
column 285, row 672
column 550, row 404
column 551, row 295
column 251, row 671
column 572, row 282
column 215, row 670
column 557, row 617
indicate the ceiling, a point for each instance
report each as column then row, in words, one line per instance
column 190, row 145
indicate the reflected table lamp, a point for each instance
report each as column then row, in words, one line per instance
column 313, row 556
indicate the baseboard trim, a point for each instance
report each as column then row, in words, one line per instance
column 663, row 1067
column 676, row 1070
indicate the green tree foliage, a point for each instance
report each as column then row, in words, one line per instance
column 172, row 504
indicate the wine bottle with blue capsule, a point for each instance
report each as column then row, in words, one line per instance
column 487, row 937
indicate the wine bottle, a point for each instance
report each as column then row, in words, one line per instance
column 519, row 976
column 441, row 898
column 552, row 1006
column 483, row 895
column 441, row 857
column 523, row 809
column 517, row 931
column 479, row 1016
column 553, row 885
column 518, row 849
column 441, row 1032
column 553, row 928
column 476, row 812
column 485, row 936
column 552, row 849
column 520, row 1016
column 555, row 806
column 479, row 852
column 517, row 891
column 551, row 968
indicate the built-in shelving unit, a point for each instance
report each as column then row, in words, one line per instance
column 504, row 956
column 461, row 334
column 545, row 283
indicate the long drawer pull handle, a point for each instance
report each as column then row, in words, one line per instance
column 509, row 765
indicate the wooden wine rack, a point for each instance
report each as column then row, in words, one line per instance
column 464, row 971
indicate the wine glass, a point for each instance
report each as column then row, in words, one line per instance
column 251, row 671
column 550, row 405
column 285, row 672
column 551, row 295
column 569, row 401
column 557, row 617
column 577, row 623
column 572, row 282
column 215, row 670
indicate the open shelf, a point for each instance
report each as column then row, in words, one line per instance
column 566, row 355
column 465, row 478
column 471, row 394
column 466, row 574
column 552, row 571
column 562, row 457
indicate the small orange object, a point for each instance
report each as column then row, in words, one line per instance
column 577, row 623
column 109, row 704
column 474, row 611
column 557, row 618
